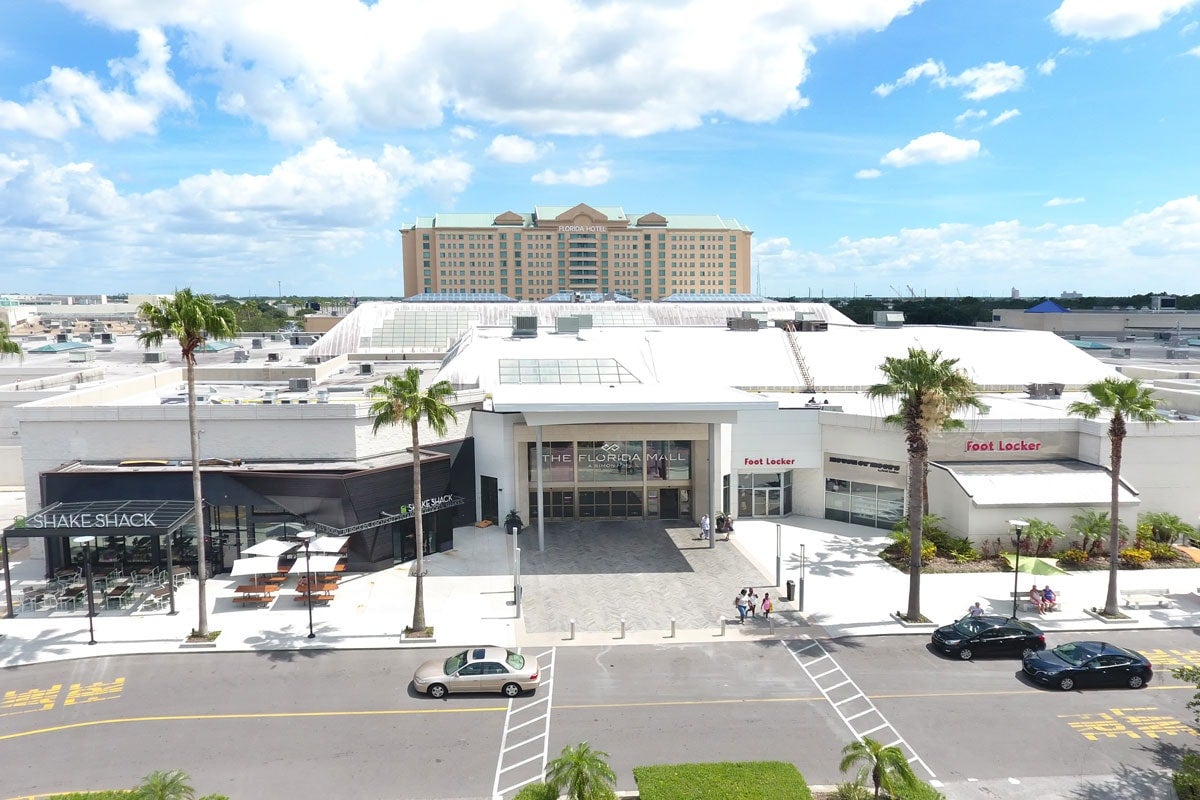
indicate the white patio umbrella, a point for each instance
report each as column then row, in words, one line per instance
column 258, row 565
column 271, row 547
column 319, row 564
column 329, row 544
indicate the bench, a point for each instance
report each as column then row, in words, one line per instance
column 1136, row 598
column 1026, row 604
column 316, row 598
column 255, row 600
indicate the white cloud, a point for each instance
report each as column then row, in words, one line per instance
column 936, row 148
column 970, row 115
column 1054, row 202
column 1047, row 67
column 1189, row 29
column 1114, row 19
column 303, row 70
column 67, row 99
column 517, row 149
column 1195, row 51
column 463, row 132
column 867, row 174
column 929, row 69
column 1155, row 248
column 593, row 175
column 978, row 83
column 1005, row 116
column 323, row 200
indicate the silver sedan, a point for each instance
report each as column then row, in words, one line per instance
column 479, row 669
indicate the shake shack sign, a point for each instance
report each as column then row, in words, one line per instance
column 81, row 520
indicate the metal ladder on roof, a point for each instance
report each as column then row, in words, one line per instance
column 809, row 386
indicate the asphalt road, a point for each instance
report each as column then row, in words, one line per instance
column 345, row 723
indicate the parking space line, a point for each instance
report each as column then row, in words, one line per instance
column 542, row 704
column 807, row 649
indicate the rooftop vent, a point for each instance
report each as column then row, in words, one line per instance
column 312, row 359
column 256, row 343
column 742, row 323
column 889, row 319
column 566, row 324
column 272, row 356
column 269, row 395
column 82, row 355
column 1120, row 352
column 322, row 395
column 1177, row 353
column 299, row 384
column 524, row 327
column 153, row 357
column 814, row 325
column 585, row 321
column 108, row 338
column 62, row 337
column 366, row 368
column 240, row 357
column 1045, row 391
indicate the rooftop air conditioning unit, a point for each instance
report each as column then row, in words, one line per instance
column 241, row 357
column 322, row 395
column 312, row 359
column 272, row 356
column 276, row 337
column 62, row 337
column 1120, row 352
column 108, row 338
column 1176, row 353
column 1129, row 337
column 566, row 325
column 1045, row 391
column 154, row 357
column 889, row 319
column 269, row 396
column 256, row 343
column 366, row 368
column 524, row 327
column 82, row 355
column 299, row 384
column 814, row 325
column 585, row 321
column 742, row 323
column 758, row 315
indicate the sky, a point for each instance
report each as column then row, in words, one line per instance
column 875, row 147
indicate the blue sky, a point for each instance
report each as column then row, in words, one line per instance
column 874, row 146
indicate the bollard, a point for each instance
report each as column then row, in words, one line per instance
column 672, row 627
column 722, row 621
column 572, row 636
column 622, row 636
column 771, row 624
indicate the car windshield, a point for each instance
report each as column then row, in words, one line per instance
column 454, row 663
column 515, row 660
column 970, row 626
column 1074, row 653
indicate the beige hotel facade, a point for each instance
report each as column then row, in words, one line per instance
column 556, row 249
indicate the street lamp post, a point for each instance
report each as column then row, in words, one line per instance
column 1018, row 525
column 307, row 537
column 86, row 542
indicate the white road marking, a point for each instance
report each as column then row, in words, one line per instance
column 519, row 716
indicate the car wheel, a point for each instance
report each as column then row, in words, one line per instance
column 1066, row 684
column 1136, row 682
column 437, row 691
column 966, row 653
column 511, row 689
column 1027, row 652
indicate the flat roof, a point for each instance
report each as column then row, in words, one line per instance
column 105, row 518
column 1035, row 483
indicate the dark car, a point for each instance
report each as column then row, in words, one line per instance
column 988, row 636
column 1078, row 664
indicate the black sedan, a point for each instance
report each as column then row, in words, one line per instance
column 988, row 636
column 1078, row 664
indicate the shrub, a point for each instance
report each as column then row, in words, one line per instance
column 901, row 547
column 1134, row 557
column 1187, row 784
column 536, row 791
column 1159, row 551
column 851, row 791
column 957, row 547
column 1042, row 535
column 1165, row 528
column 1074, row 557
column 745, row 780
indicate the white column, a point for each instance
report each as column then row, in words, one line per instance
column 541, row 505
column 713, row 488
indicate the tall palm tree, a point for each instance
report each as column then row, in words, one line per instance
column 399, row 399
column 581, row 773
column 887, row 767
column 1122, row 398
column 8, row 346
column 930, row 389
column 191, row 320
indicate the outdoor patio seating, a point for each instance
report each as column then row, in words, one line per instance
column 32, row 597
column 155, row 599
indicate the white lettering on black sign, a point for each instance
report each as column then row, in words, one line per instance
column 86, row 519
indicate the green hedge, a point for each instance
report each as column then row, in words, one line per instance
column 117, row 794
column 745, row 780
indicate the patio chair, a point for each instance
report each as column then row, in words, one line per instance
column 49, row 602
column 153, row 599
column 31, row 598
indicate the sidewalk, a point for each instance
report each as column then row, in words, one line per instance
column 847, row 591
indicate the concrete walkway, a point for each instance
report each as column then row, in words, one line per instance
column 595, row 574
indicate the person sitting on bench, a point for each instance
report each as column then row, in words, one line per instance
column 1035, row 597
column 1048, row 598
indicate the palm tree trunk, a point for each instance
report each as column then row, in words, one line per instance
column 197, row 498
column 418, row 623
column 916, row 503
column 1117, row 438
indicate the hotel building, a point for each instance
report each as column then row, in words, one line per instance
column 560, row 251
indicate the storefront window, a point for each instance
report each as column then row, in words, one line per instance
column 558, row 460
column 863, row 503
column 609, row 462
column 764, row 494
column 668, row 460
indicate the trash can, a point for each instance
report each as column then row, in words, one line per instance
column 791, row 591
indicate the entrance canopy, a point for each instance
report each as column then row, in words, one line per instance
column 105, row 518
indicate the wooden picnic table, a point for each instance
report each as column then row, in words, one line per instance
column 259, row 589
column 318, row 587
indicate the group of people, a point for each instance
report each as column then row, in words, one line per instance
column 724, row 525
column 748, row 604
column 1043, row 599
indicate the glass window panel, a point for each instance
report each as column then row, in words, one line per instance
column 764, row 479
column 835, row 485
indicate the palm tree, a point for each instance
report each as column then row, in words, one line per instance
column 886, row 766
column 931, row 389
column 581, row 773
column 165, row 785
column 1122, row 398
column 191, row 320
column 399, row 399
column 8, row 346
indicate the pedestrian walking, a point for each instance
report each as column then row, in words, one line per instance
column 741, row 604
column 752, row 601
column 976, row 610
column 767, row 605
column 705, row 527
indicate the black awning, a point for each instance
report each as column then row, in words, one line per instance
column 104, row 518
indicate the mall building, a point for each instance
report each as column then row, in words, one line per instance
column 556, row 249
column 594, row 411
